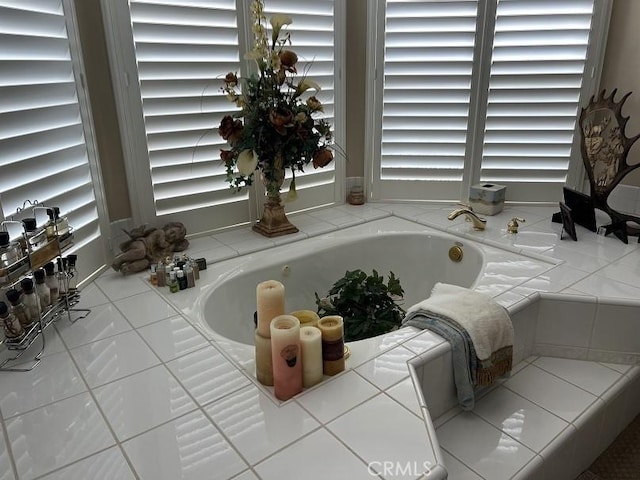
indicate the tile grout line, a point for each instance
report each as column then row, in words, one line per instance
column 5, row 434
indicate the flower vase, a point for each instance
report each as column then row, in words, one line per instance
column 274, row 221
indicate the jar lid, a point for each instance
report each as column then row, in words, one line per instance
column 4, row 239
column 3, row 308
column 27, row 285
column 38, row 275
column 29, row 224
column 13, row 295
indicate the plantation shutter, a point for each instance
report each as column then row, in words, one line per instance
column 43, row 153
column 537, row 68
column 181, row 52
column 313, row 39
column 427, row 74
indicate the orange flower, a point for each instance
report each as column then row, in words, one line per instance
column 322, row 157
column 231, row 130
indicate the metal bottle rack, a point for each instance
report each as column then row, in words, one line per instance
column 15, row 272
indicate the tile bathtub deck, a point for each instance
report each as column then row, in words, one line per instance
column 136, row 378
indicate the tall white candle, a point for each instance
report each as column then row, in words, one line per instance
column 287, row 361
column 311, row 345
column 264, row 362
column 269, row 303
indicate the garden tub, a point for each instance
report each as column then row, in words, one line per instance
column 224, row 301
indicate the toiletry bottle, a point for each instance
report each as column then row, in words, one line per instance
column 10, row 252
column 18, row 309
column 50, row 226
column 196, row 269
column 33, row 239
column 62, row 224
column 167, row 271
column 153, row 276
column 61, row 275
column 10, row 324
column 72, row 273
column 51, row 281
column 43, row 291
column 188, row 272
column 182, row 280
column 29, row 299
column 173, row 283
column 160, row 275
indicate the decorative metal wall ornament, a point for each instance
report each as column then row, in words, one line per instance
column 605, row 146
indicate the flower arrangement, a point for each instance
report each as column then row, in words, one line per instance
column 279, row 130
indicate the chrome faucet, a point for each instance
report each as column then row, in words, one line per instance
column 479, row 223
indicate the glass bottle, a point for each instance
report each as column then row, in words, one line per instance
column 51, row 281
column 29, row 299
column 160, row 275
column 62, row 224
column 182, row 280
column 33, row 238
column 50, row 226
column 153, row 275
column 72, row 273
column 173, row 282
column 188, row 272
column 13, row 330
column 61, row 275
column 43, row 291
column 18, row 309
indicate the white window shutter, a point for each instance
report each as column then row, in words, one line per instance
column 428, row 68
column 538, row 61
column 180, row 54
column 43, row 152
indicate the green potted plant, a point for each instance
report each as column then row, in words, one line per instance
column 368, row 306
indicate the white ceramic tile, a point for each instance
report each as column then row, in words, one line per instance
column 458, row 470
column 248, row 475
column 405, row 393
column 437, row 384
column 534, row 470
column 482, row 447
column 589, row 442
column 626, row 269
column 103, row 321
column 142, row 401
column 303, row 460
column 6, row 470
column 565, row 322
column 617, row 367
column 113, row 358
column 336, row 396
column 519, row 418
column 605, row 287
column 561, row 351
column 388, row 368
column 575, row 258
column 172, row 338
column 202, row 244
column 256, row 425
column 589, row 376
column 145, row 308
column 423, row 342
column 91, row 296
column 52, row 343
column 56, row 435
column 554, row 280
column 550, row 392
column 189, row 448
column 53, row 379
column 107, row 465
column 559, row 456
column 363, row 351
column 616, row 328
column 116, row 286
column 207, row 375
column 371, row 430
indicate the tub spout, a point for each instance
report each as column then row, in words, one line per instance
column 470, row 216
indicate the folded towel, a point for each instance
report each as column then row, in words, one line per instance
column 479, row 330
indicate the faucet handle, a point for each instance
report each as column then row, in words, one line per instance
column 512, row 226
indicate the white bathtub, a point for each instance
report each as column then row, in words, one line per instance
column 418, row 259
column 223, row 302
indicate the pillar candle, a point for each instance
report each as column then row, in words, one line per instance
column 287, row 360
column 311, row 345
column 332, row 328
column 269, row 303
column 308, row 318
column 264, row 362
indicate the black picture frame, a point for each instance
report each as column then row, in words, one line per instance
column 582, row 208
column 568, row 224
